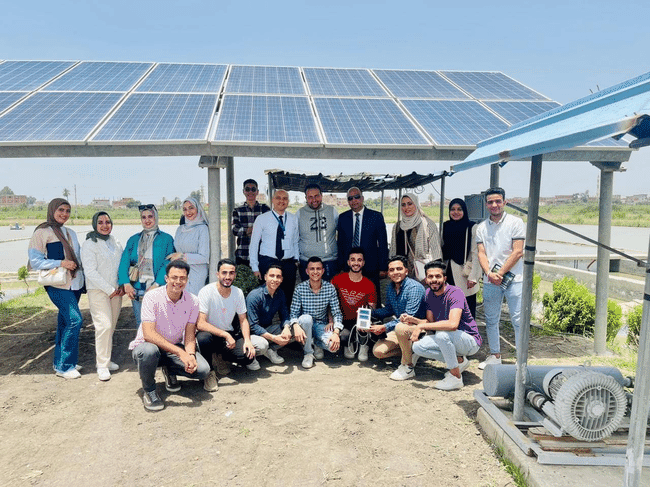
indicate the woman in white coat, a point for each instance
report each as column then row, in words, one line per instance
column 101, row 254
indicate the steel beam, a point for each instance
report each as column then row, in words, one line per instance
column 230, row 202
column 442, row 203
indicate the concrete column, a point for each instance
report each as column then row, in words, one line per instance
column 214, row 212
column 494, row 175
column 527, row 291
column 230, row 202
column 442, row 203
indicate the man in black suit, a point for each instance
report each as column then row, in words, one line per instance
column 370, row 236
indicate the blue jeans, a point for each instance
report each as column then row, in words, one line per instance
column 320, row 336
column 137, row 305
column 492, row 299
column 446, row 346
column 66, row 345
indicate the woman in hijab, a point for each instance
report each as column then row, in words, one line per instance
column 100, row 255
column 52, row 246
column 459, row 248
column 144, row 259
column 415, row 235
column 192, row 242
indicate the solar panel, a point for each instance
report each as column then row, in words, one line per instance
column 100, row 76
column 516, row 111
column 362, row 121
column 281, row 119
column 265, row 80
column 29, row 75
column 492, row 86
column 56, row 116
column 419, row 84
column 145, row 116
column 455, row 123
column 8, row 98
column 342, row 82
column 184, row 78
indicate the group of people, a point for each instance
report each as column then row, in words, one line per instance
column 199, row 330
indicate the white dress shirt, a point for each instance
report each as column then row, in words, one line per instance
column 265, row 230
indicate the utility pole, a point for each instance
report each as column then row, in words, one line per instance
column 202, row 195
column 76, row 210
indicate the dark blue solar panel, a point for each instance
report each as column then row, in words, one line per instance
column 265, row 80
column 455, row 123
column 342, row 82
column 8, row 98
column 492, row 86
column 419, row 84
column 160, row 117
column 246, row 118
column 100, row 76
column 366, row 121
column 56, row 116
column 184, row 78
column 516, row 111
column 29, row 75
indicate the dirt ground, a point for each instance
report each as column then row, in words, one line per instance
column 340, row 423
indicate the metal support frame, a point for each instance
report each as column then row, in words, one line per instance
column 527, row 288
column 494, row 175
column 442, row 202
column 399, row 205
column 214, row 165
column 270, row 189
column 382, row 201
column 230, row 202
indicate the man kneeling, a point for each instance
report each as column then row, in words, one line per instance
column 169, row 317
column 456, row 334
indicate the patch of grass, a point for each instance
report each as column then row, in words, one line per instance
column 513, row 470
column 24, row 307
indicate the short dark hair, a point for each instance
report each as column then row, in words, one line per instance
column 436, row 264
column 356, row 250
column 251, row 181
column 313, row 186
column 225, row 262
column 315, row 259
column 496, row 190
column 177, row 264
column 401, row 258
column 275, row 265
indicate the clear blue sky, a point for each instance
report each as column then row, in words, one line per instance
column 562, row 49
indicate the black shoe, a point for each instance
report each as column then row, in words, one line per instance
column 152, row 401
column 171, row 382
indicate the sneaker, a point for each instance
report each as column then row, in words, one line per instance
column 318, row 353
column 254, row 365
column 363, row 353
column 103, row 373
column 491, row 359
column 70, row 374
column 308, row 361
column 348, row 352
column 415, row 359
column 211, row 383
column 464, row 365
column 403, row 372
column 113, row 367
column 222, row 367
column 273, row 356
column 171, row 382
column 78, row 367
column 152, row 401
column 449, row 383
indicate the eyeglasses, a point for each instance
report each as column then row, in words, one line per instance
column 250, row 189
column 150, row 206
column 354, row 197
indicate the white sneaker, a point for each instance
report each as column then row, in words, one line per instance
column 103, row 373
column 415, row 359
column 318, row 353
column 348, row 352
column 70, row 374
column 273, row 356
column 449, row 383
column 464, row 365
column 113, row 367
column 254, row 365
column 308, row 361
column 363, row 353
column 403, row 372
column 211, row 383
column 492, row 359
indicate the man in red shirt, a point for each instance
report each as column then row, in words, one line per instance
column 355, row 291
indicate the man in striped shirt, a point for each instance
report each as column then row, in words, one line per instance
column 243, row 218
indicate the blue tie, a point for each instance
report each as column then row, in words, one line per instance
column 357, row 231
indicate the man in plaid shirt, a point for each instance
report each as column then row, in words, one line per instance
column 312, row 300
column 243, row 218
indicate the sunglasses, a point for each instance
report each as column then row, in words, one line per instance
column 355, row 197
column 250, row 189
column 150, row 206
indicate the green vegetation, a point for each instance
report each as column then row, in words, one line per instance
column 580, row 213
column 518, row 477
column 634, row 325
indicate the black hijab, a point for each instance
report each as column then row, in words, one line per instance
column 454, row 234
column 94, row 235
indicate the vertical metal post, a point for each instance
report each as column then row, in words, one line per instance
column 230, row 202
column 382, row 201
column 269, row 190
column 399, row 205
column 527, row 288
column 442, row 203
column 494, row 175
column 214, row 213
column 641, row 400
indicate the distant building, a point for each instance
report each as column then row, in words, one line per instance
column 13, row 200
column 100, row 203
column 122, row 203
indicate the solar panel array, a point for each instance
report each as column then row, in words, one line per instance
column 86, row 102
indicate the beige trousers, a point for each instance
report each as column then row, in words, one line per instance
column 104, row 311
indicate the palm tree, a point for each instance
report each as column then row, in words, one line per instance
column 66, row 193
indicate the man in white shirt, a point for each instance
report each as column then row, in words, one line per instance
column 500, row 241
column 275, row 240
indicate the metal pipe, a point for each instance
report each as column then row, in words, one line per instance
column 527, row 288
column 230, row 202
column 494, row 175
column 442, row 202
column 382, row 201
column 269, row 190
column 602, row 266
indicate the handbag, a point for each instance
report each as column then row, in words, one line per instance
column 59, row 276
column 134, row 273
column 468, row 265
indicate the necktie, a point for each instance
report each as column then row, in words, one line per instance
column 279, row 253
column 357, row 232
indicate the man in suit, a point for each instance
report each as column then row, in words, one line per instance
column 370, row 236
